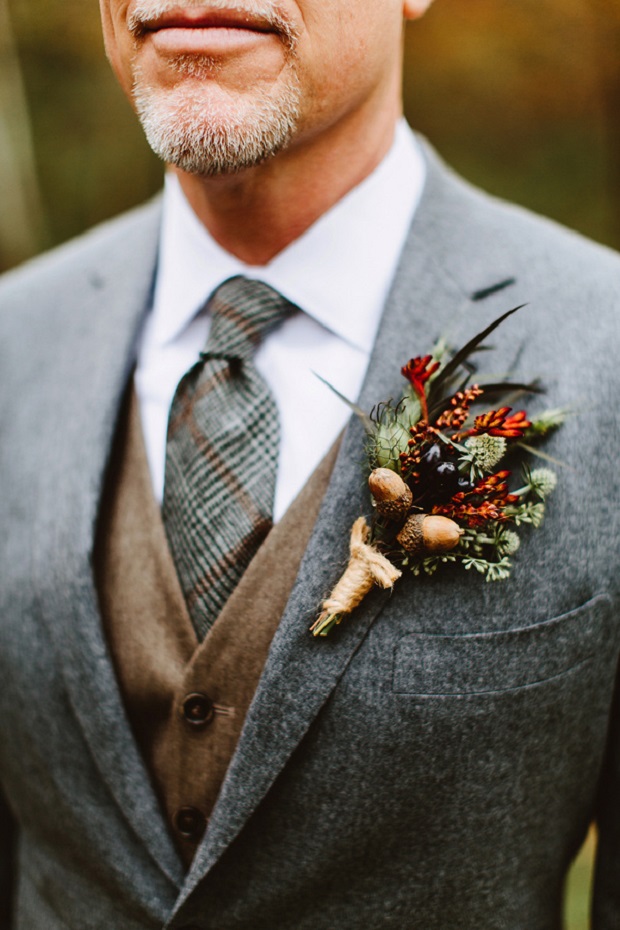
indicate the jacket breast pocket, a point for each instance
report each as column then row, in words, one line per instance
column 429, row 664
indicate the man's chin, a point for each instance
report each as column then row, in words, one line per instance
column 207, row 131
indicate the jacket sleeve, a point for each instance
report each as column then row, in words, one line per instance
column 606, row 895
column 8, row 841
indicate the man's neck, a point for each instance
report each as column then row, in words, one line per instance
column 255, row 214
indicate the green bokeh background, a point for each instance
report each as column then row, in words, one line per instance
column 521, row 96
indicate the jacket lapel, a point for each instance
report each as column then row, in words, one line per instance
column 101, row 321
column 301, row 672
column 109, row 302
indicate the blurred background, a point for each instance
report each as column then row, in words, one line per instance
column 523, row 98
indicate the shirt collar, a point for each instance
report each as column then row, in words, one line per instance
column 339, row 271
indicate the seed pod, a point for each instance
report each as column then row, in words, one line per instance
column 428, row 534
column 392, row 496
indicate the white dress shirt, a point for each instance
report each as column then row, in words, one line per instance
column 338, row 273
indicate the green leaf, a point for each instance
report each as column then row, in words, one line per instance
column 543, row 455
column 368, row 424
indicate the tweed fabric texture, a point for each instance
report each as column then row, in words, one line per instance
column 368, row 788
column 157, row 657
column 222, row 451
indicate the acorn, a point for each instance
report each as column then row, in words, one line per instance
column 392, row 496
column 425, row 534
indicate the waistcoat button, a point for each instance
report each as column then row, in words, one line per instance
column 198, row 710
column 190, row 822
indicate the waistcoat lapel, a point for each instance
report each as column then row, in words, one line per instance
column 159, row 662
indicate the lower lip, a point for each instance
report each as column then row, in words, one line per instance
column 214, row 40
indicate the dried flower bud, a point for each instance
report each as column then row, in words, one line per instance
column 423, row 534
column 486, row 451
column 542, row 481
column 392, row 496
column 390, row 440
column 508, row 543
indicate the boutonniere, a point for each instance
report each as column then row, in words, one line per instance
column 438, row 479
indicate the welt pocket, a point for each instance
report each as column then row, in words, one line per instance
column 478, row 663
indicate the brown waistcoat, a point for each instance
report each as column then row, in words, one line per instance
column 187, row 701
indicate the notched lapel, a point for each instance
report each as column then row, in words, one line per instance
column 100, row 320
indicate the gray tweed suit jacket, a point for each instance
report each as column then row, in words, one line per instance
column 433, row 766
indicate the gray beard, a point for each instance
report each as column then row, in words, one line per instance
column 183, row 131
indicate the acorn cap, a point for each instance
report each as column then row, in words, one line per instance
column 427, row 534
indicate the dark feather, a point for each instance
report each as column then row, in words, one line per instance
column 504, row 387
column 499, row 388
column 466, row 351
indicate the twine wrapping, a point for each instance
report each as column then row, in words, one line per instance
column 366, row 568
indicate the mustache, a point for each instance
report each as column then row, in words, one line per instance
column 145, row 12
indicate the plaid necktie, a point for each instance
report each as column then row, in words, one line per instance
column 222, row 451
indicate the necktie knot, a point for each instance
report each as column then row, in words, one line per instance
column 243, row 312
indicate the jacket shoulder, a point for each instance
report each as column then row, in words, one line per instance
column 115, row 244
column 506, row 235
